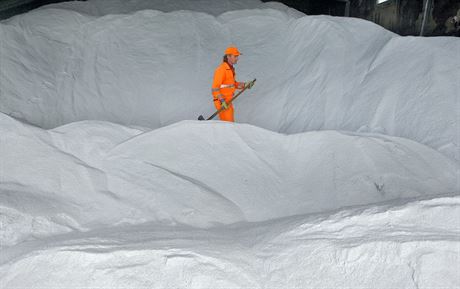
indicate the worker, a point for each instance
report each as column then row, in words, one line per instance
column 224, row 84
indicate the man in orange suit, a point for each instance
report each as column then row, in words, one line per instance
column 225, row 84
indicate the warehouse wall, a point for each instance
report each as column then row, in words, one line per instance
column 401, row 16
column 405, row 17
column 9, row 8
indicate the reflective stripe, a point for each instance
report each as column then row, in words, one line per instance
column 227, row 85
column 222, row 86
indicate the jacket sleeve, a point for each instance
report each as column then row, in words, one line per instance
column 217, row 82
column 239, row 85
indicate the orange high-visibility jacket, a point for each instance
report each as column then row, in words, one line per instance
column 224, row 83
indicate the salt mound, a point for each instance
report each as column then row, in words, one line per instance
column 149, row 203
column 89, row 175
column 105, row 7
column 269, row 175
column 405, row 245
column 152, row 68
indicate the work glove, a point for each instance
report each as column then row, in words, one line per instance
column 248, row 84
column 223, row 104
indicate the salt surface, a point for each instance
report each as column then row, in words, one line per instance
column 121, row 187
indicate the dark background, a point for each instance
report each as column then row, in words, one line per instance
column 401, row 16
column 10, row 8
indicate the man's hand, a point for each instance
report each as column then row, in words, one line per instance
column 248, row 84
column 223, row 103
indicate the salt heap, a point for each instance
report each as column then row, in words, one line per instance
column 342, row 171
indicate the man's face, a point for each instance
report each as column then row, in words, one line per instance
column 233, row 59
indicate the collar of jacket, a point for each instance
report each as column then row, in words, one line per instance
column 231, row 67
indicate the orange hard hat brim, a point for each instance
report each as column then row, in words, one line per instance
column 232, row 51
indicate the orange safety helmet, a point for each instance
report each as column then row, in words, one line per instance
column 232, row 50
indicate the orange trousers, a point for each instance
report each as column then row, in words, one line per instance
column 226, row 114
